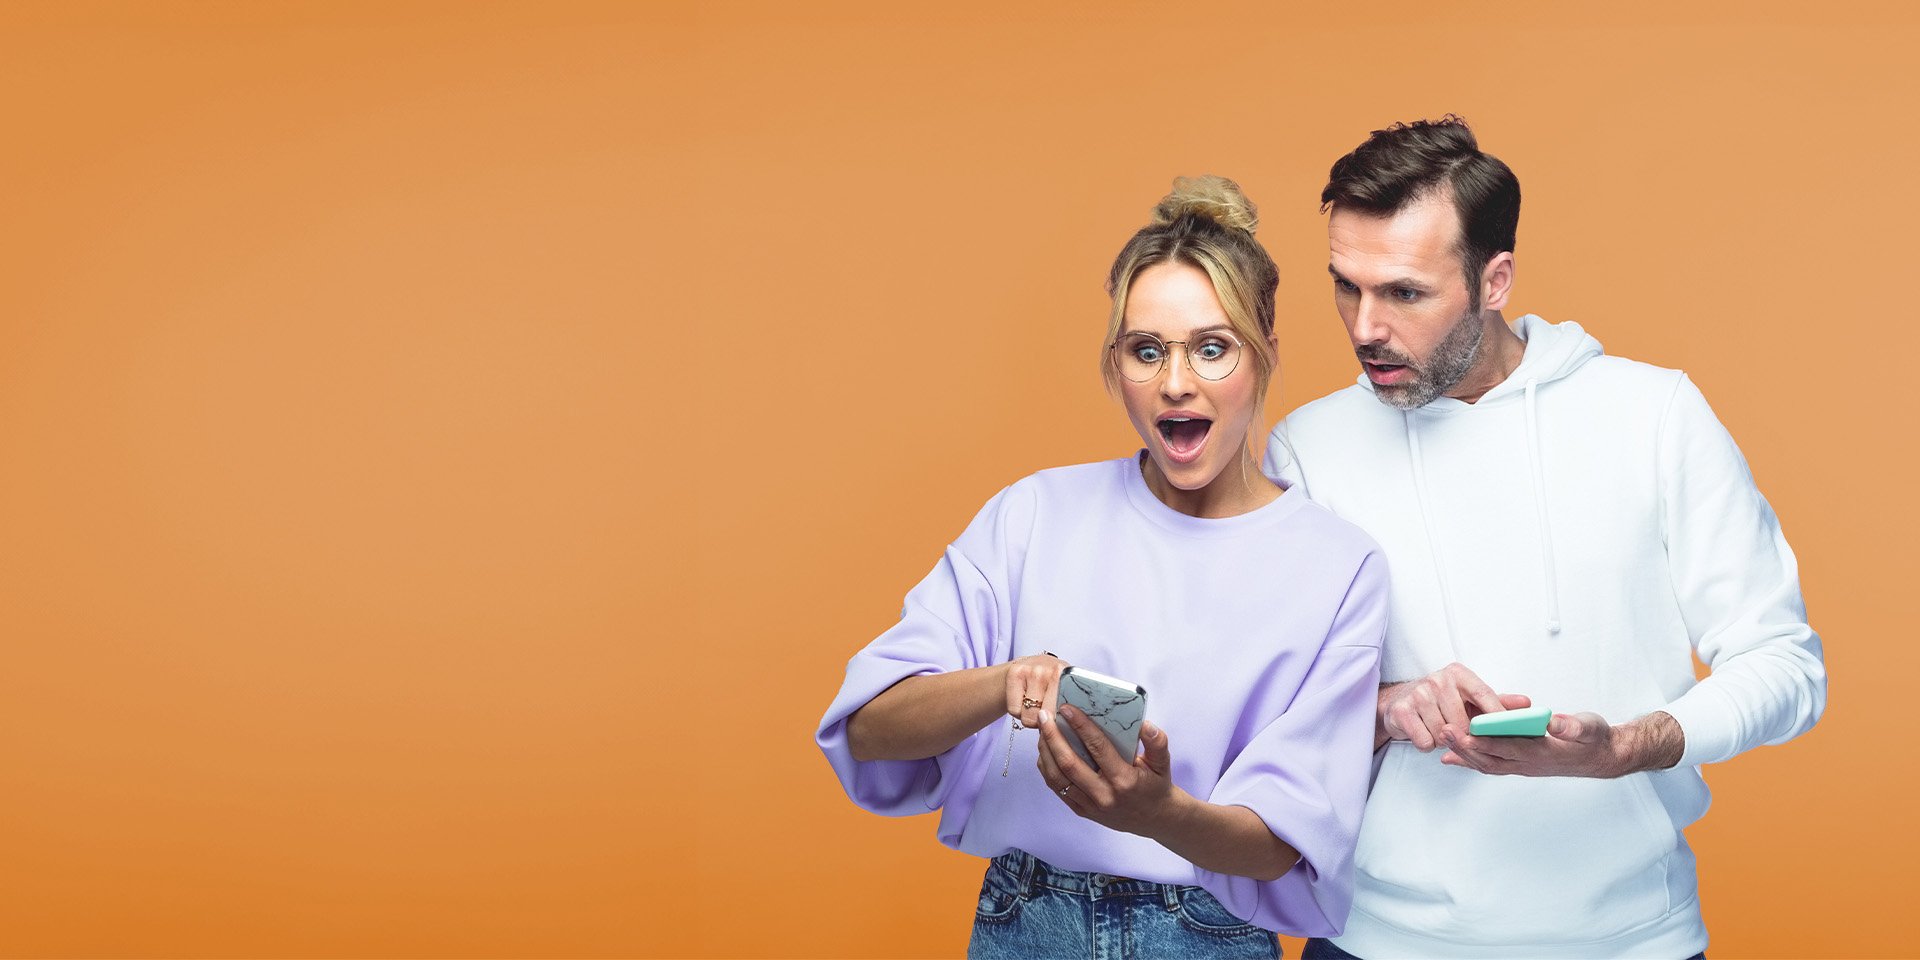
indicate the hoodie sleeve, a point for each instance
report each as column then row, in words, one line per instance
column 1280, row 464
column 951, row 621
column 1739, row 591
column 1306, row 773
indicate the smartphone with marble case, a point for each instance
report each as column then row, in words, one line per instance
column 1115, row 706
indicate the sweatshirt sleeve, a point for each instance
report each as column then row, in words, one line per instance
column 1306, row 774
column 951, row 621
column 1739, row 592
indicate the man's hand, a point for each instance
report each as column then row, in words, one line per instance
column 1428, row 710
column 1132, row 794
column 1576, row 745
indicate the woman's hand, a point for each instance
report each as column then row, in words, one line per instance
column 1133, row 794
column 1033, row 683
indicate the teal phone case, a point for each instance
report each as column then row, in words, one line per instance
column 1525, row 722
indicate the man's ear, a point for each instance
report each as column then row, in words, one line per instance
column 1496, row 281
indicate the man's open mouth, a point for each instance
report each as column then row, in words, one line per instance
column 1388, row 374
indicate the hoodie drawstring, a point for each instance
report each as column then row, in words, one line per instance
column 1426, row 523
column 1540, row 503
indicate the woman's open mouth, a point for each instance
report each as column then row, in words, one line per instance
column 1184, row 436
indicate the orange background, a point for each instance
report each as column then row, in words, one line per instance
column 448, row 451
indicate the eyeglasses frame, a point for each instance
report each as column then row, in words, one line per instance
column 1167, row 345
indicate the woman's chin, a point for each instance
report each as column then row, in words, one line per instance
column 1189, row 476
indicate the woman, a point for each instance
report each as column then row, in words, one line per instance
column 1251, row 617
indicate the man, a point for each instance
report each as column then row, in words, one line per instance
column 1565, row 529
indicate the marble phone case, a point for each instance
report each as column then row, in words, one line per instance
column 1115, row 706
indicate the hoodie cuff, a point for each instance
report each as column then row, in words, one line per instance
column 1708, row 721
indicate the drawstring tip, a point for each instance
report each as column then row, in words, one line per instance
column 1553, row 626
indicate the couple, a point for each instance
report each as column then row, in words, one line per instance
column 1563, row 529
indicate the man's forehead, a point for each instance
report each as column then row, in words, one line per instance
column 1421, row 236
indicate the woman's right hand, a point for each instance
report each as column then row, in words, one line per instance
column 1033, row 684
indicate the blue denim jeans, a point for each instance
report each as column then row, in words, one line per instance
column 1030, row 909
column 1318, row 949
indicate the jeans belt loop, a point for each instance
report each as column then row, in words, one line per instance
column 1029, row 875
column 1170, row 895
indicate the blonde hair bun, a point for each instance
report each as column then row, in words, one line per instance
column 1215, row 198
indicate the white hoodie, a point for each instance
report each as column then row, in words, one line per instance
column 1577, row 535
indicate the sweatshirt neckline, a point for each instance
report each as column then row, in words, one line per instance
column 1167, row 518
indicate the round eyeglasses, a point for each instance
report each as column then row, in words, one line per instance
column 1211, row 355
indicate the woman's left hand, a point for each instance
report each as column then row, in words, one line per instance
column 1133, row 794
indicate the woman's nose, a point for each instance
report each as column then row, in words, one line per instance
column 1177, row 376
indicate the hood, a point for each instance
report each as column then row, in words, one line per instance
column 1554, row 350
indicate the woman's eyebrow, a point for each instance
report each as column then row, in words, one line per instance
column 1157, row 335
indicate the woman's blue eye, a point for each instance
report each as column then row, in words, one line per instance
column 1211, row 350
column 1147, row 353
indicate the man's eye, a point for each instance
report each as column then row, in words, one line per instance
column 1405, row 294
column 1344, row 286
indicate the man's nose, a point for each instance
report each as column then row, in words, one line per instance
column 1369, row 324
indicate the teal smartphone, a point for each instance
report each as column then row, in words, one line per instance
column 1525, row 722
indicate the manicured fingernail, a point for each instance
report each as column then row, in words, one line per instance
column 1066, row 710
column 1045, row 717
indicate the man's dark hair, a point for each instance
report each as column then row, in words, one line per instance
column 1410, row 161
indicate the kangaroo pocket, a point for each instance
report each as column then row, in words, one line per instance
column 1452, row 854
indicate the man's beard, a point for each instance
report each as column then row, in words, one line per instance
column 1442, row 370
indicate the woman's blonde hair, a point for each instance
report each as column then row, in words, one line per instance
column 1206, row 222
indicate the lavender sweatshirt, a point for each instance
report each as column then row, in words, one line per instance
column 1257, row 638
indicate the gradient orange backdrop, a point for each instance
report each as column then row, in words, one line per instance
column 448, row 451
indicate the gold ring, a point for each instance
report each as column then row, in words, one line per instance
column 1029, row 702
column 1063, row 790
